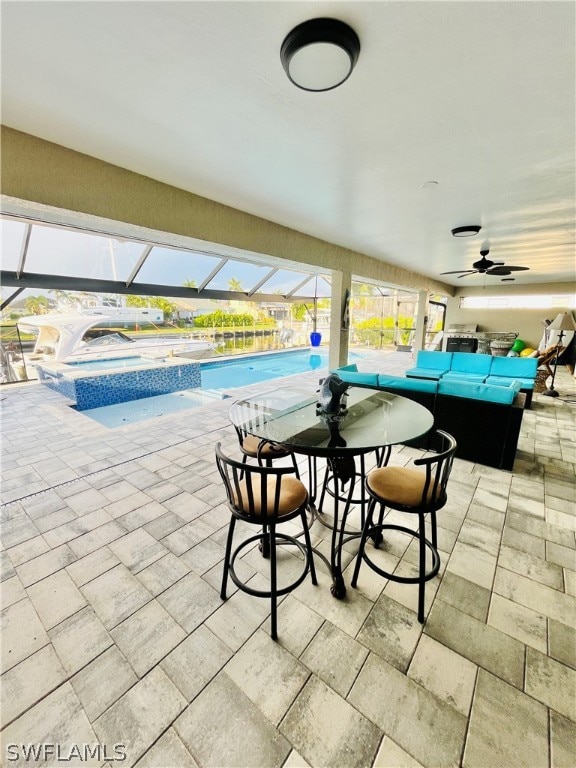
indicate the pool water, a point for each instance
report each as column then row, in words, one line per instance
column 117, row 362
column 133, row 411
column 229, row 374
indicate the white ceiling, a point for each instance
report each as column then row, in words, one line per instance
column 477, row 97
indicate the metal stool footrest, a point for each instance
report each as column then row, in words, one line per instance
column 280, row 539
column 395, row 577
column 341, row 497
column 381, row 456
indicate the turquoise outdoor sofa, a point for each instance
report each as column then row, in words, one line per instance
column 478, row 368
column 485, row 419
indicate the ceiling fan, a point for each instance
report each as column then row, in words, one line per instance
column 487, row 267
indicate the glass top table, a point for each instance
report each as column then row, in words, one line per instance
column 371, row 420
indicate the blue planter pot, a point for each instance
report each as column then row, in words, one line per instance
column 315, row 338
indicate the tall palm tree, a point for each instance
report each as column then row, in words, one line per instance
column 167, row 306
column 61, row 297
column 363, row 298
column 37, row 305
column 235, row 285
column 132, row 300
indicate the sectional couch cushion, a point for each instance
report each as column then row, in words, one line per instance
column 468, row 366
column 362, row 379
column 478, row 378
column 518, row 367
column 424, row 373
column 411, row 385
column 471, row 363
column 504, row 395
column 507, row 369
column 505, row 381
column 351, row 375
column 430, row 365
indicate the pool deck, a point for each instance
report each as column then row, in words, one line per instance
column 113, row 631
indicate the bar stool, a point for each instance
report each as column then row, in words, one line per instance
column 330, row 487
column 415, row 492
column 266, row 497
column 263, row 451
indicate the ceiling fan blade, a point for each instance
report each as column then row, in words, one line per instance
column 470, row 272
column 507, row 268
column 460, row 272
column 499, row 271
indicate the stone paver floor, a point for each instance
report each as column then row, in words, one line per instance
column 114, row 634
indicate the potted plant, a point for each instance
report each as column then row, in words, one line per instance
column 315, row 336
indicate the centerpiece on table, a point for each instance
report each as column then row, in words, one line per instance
column 331, row 407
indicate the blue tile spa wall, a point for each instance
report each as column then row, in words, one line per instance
column 57, row 382
column 111, row 388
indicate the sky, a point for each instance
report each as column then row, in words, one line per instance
column 57, row 251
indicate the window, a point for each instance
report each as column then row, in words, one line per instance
column 80, row 254
column 12, row 239
column 536, row 301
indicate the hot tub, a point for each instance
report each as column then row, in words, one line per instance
column 95, row 383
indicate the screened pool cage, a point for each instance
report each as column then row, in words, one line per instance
column 239, row 305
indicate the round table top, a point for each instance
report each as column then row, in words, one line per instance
column 372, row 419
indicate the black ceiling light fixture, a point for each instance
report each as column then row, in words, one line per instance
column 320, row 54
column 468, row 231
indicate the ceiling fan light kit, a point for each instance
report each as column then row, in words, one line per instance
column 320, row 54
column 468, row 231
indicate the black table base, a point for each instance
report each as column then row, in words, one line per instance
column 340, row 471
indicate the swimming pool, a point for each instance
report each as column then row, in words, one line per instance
column 216, row 376
column 229, row 374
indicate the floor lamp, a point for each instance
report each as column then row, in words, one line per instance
column 563, row 322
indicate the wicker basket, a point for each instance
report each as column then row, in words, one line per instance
column 540, row 380
column 500, row 348
column 483, row 344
